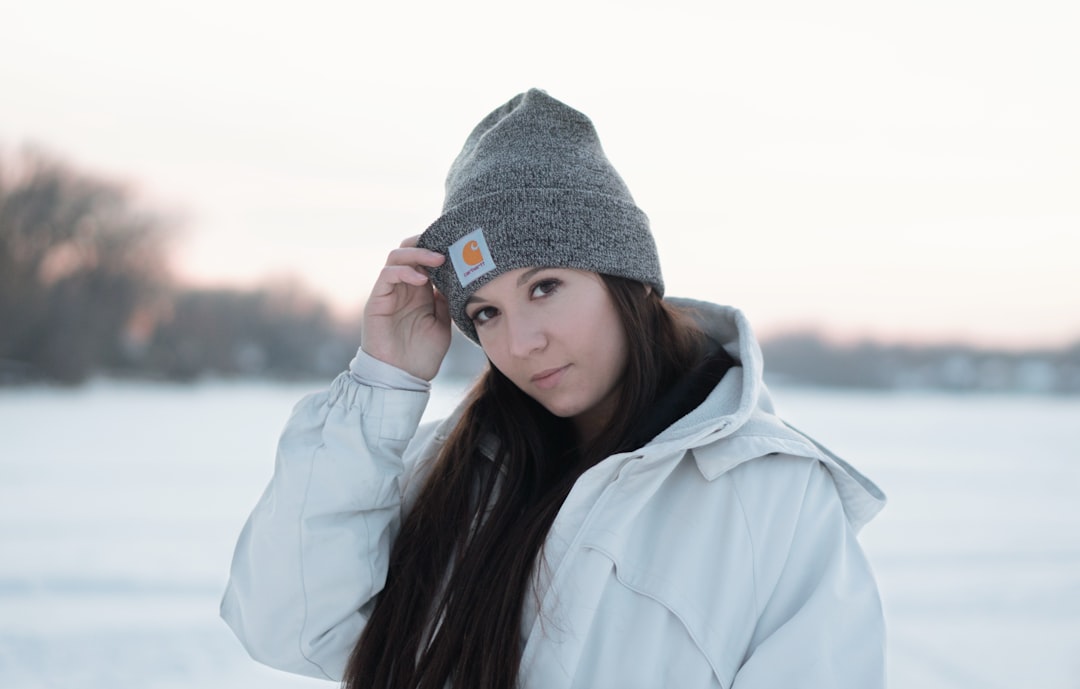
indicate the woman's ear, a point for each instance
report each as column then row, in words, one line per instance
column 648, row 289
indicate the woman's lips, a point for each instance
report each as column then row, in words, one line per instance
column 545, row 380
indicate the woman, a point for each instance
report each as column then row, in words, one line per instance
column 615, row 504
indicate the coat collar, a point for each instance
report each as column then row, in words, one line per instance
column 737, row 422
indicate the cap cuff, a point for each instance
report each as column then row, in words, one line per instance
column 545, row 227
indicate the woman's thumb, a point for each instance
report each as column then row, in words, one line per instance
column 442, row 308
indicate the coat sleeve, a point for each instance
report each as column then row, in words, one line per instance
column 821, row 622
column 314, row 552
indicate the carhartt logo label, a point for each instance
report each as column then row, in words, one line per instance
column 471, row 257
column 471, row 253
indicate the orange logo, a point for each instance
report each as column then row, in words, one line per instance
column 471, row 253
column 471, row 257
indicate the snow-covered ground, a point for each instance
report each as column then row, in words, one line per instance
column 120, row 503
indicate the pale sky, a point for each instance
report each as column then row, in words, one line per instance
column 909, row 171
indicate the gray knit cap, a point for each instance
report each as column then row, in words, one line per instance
column 532, row 187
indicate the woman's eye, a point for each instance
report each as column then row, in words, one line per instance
column 544, row 287
column 481, row 316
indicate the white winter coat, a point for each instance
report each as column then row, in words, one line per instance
column 721, row 554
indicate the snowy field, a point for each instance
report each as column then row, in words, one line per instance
column 119, row 506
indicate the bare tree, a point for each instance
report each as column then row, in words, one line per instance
column 77, row 259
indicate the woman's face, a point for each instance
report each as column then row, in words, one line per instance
column 555, row 333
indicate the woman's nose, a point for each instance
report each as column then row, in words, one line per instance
column 526, row 336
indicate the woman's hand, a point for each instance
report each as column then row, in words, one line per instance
column 406, row 321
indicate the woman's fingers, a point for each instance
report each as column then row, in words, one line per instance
column 409, row 256
column 406, row 265
column 406, row 321
column 392, row 277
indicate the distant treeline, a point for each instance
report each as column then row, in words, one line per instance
column 85, row 291
column 810, row 359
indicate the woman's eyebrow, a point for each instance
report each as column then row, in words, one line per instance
column 528, row 274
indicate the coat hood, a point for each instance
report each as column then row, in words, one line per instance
column 738, row 422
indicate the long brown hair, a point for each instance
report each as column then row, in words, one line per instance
column 460, row 568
